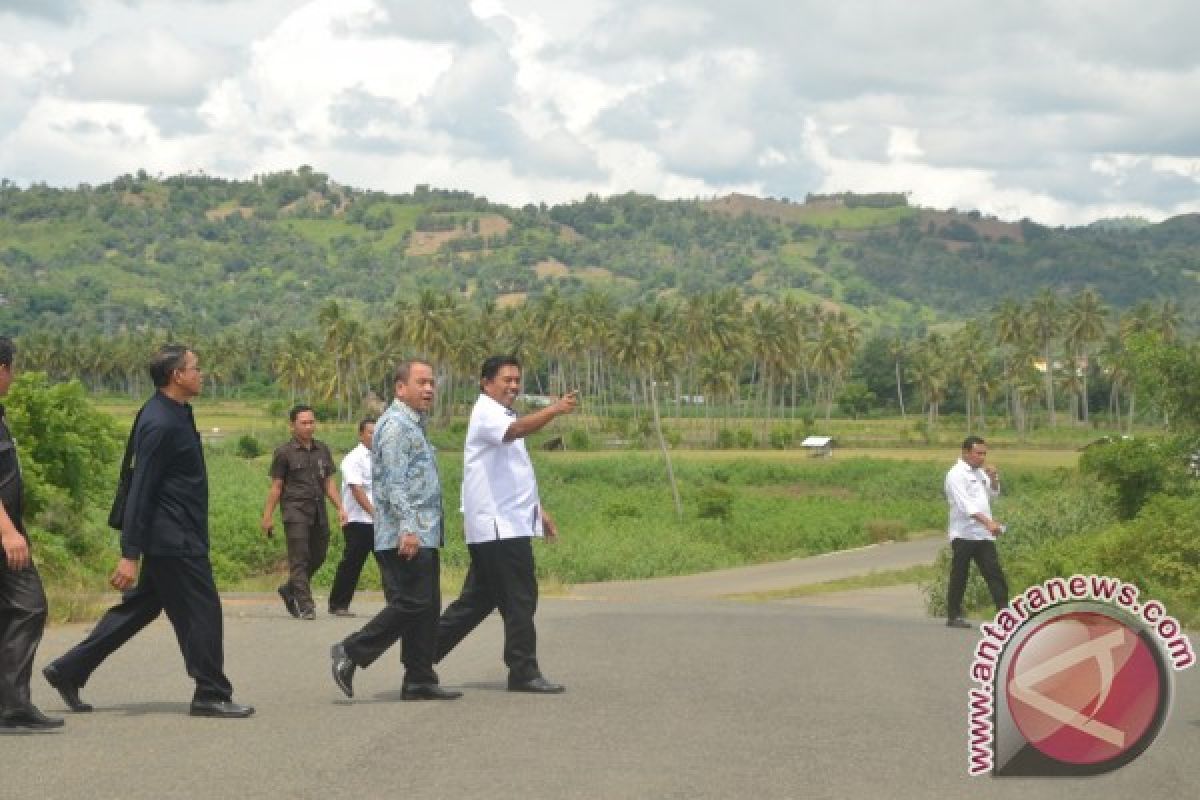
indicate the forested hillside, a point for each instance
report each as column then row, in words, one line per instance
column 203, row 254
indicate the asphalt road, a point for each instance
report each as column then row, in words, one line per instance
column 669, row 697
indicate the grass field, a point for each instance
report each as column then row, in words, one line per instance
column 740, row 506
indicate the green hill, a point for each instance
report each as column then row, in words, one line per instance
column 203, row 254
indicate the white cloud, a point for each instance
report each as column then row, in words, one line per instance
column 148, row 67
column 1056, row 110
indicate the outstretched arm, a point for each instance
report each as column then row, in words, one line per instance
column 532, row 423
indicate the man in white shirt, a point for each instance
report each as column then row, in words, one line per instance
column 970, row 487
column 502, row 513
column 359, row 530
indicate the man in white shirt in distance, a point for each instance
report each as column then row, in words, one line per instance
column 970, row 486
column 359, row 530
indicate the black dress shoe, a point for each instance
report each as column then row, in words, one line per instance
column 289, row 601
column 343, row 669
column 958, row 622
column 225, row 709
column 538, row 685
column 67, row 690
column 29, row 719
column 340, row 612
column 427, row 691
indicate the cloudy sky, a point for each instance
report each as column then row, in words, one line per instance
column 1063, row 111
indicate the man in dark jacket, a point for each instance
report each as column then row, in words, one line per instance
column 166, row 529
column 22, row 600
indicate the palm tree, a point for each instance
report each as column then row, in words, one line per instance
column 1085, row 325
column 1044, row 320
column 967, row 360
column 929, row 372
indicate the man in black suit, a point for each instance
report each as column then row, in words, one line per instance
column 22, row 600
column 166, row 529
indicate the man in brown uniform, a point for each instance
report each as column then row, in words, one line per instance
column 301, row 477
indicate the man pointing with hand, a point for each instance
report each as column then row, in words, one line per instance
column 502, row 513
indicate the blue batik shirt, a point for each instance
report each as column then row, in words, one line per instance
column 405, row 487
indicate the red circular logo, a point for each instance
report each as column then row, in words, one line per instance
column 1084, row 688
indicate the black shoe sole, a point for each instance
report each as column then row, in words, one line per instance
column 21, row 730
column 337, row 653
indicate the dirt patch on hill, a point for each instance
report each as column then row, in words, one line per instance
column 510, row 299
column 987, row 228
column 569, row 234
column 215, row 214
column 551, row 268
column 493, row 225
column 426, row 243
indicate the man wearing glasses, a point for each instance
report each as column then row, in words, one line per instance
column 165, row 528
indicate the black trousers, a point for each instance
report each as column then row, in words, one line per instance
column 360, row 541
column 22, row 620
column 983, row 552
column 307, row 545
column 413, row 591
column 501, row 576
column 185, row 590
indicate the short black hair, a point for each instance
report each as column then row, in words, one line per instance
column 364, row 422
column 491, row 366
column 7, row 351
column 970, row 442
column 169, row 358
column 298, row 410
column 404, row 367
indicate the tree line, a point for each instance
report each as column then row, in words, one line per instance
column 718, row 356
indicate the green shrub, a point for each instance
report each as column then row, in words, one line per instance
column 715, row 502
column 1159, row 550
column 745, row 438
column 248, row 446
column 886, row 530
column 725, row 439
column 1136, row 469
column 782, row 438
column 622, row 510
column 578, row 439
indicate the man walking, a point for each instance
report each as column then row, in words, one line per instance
column 359, row 530
column 22, row 599
column 409, row 530
column 301, row 479
column 502, row 513
column 970, row 486
column 165, row 528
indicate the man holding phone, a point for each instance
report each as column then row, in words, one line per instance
column 970, row 486
column 503, row 513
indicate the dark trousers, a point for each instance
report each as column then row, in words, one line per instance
column 182, row 587
column 22, row 620
column 501, row 576
column 307, row 544
column 985, row 557
column 413, row 590
column 360, row 541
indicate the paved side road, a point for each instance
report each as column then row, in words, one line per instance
column 766, row 577
column 675, row 698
